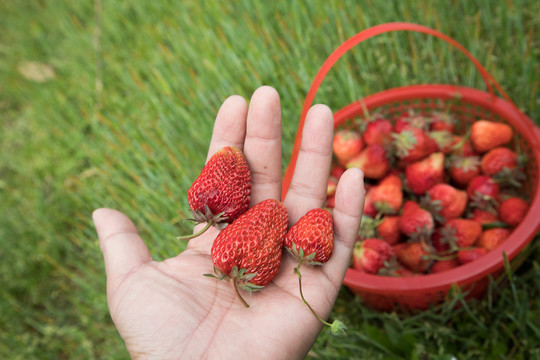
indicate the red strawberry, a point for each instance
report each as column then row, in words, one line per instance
column 442, row 121
column 461, row 233
column 369, row 206
column 330, row 202
column 450, row 201
column 371, row 254
column 439, row 243
column 498, row 158
column 483, row 216
column 332, row 186
column 373, row 160
column 222, row 191
column 483, row 192
column 337, row 171
column 444, row 265
column 388, row 229
column 444, row 139
column 513, row 210
column 424, row 174
column 462, row 169
column 415, row 221
column 416, row 256
column 378, row 131
column 411, row 119
column 491, row 238
column 486, row 135
column 311, row 239
column 413, row 144
column 462, row 146
column 311, row 242
column 387, row 197
column 249, row 250
column 466, row 256
column 346, row 145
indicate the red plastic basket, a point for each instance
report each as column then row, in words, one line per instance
column 386, row 293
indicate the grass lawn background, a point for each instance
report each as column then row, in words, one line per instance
column 112, row 104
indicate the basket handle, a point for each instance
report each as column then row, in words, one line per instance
column 357, row 39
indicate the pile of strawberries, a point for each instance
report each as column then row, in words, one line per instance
column 439, row 193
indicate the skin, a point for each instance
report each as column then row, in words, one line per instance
column 168, row 310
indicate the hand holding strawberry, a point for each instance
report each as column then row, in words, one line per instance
column 168, row 309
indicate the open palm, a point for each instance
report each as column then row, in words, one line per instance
column 168, row 310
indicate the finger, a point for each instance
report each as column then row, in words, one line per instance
column 123, row 249
column 310, row 179
column 347, row 215
column 230, row 125
column 262, row 147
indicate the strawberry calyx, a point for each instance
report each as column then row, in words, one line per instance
column 298, row 253
column 239, row 279
column 219, row 221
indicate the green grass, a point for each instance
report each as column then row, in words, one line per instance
column 127, row 118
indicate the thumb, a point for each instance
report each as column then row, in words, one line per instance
column 122, row 247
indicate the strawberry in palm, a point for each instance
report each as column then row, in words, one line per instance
column 222, row 192
column 248, row 251
column 311, row 242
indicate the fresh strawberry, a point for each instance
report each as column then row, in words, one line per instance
column 439, row 243
column 411, row 119
column 442, row 121
column 387, row 197
column 415, row 221
column 311, row 242
column 346, row 145
column 424, row 174
column 444, row 139
column 311, row 239
column 498, row 158
column 466, row 256
column 378, row 131
column 483, row 193
column 330, row 202
column 413, row 144
column 513, row 210
column 370, row 255
column 369, row 206
column 332, row 186
column 373, row 161
column 449, row 201
column 462, row 169
column 366, row 260
column 337, row 171
column 462, row 146
column 483, row 216
column 249, row 250
column 486, row 135
column 444, row 265
column 388, row 229
column 416, row 256
column 491, row 238
column 461, row 233
column 222, row 192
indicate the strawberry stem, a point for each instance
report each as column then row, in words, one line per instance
column 233, row 282
column 206, row 227
column 337, row 327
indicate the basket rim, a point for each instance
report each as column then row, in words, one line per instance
column 492, row 261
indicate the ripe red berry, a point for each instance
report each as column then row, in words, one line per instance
column 222, row 192
column 249, row 250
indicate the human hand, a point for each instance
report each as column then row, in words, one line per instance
column 169, row 310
